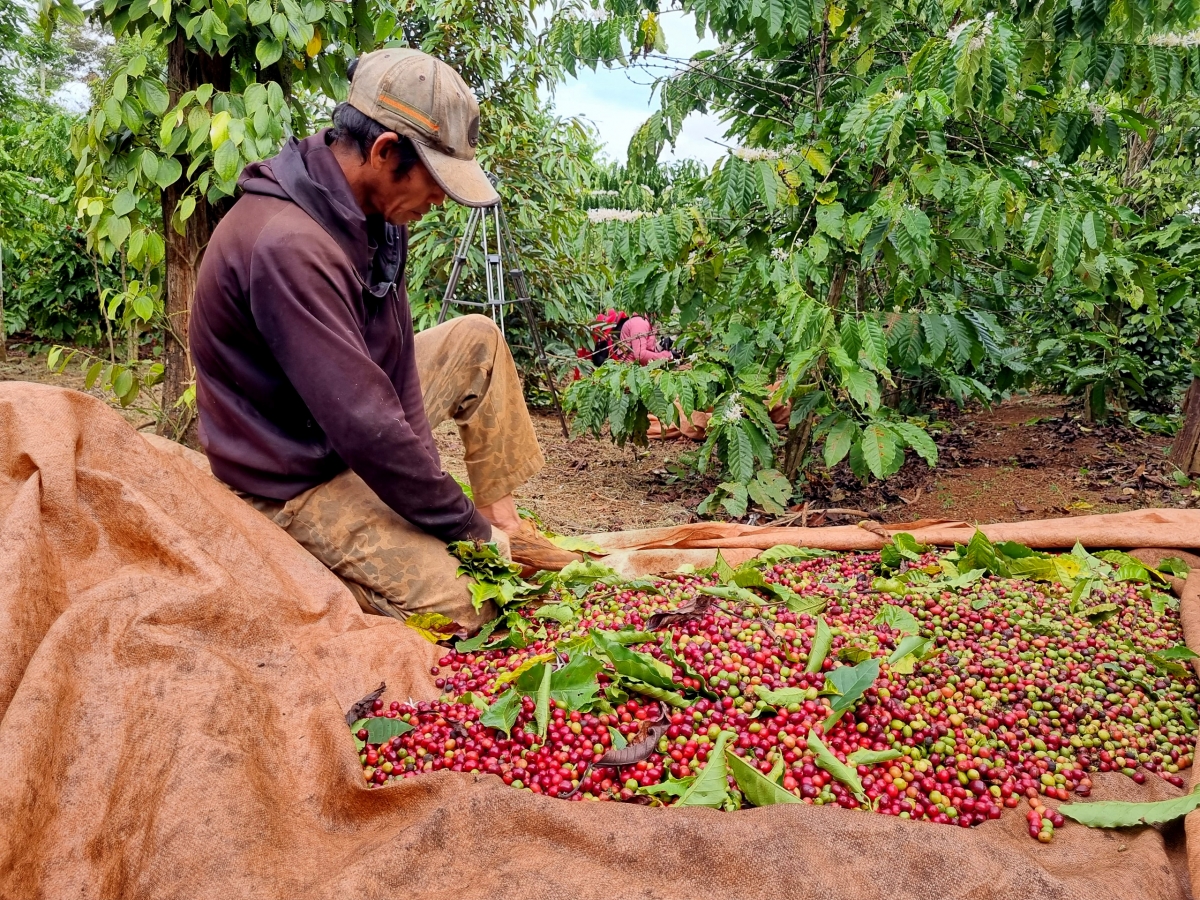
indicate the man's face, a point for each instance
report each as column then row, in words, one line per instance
column 404, row 199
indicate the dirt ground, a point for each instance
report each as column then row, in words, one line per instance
column 1029, row 457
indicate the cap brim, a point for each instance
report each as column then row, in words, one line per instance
column 462, row 179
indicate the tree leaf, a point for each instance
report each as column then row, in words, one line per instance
column 897, row 617
column 756, row 788
column 432, row 626
column 838, row 441
column 470, row 645
column 630, row 663
column 226, row 161
column 382, row 729
column 124, row 203
column 710, row 787
column 502, row 714
column 169, row 170
column 541, row 710
column 878, row 449
column 821, row 643
column 867, row 757
column 153, row 94
column 782, row 697
column 268, row 52
column 1118, row 814
column 850, row 682
column 834, row 766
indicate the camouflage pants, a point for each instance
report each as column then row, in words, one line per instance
column 391, row 566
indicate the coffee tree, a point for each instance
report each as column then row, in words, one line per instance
column 914, row 176
column 206, row 86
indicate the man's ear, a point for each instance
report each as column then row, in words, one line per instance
column 382, row 149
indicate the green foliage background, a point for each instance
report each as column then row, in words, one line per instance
column 931, row 199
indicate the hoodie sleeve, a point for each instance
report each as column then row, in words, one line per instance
column 303, row 295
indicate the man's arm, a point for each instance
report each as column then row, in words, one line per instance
column 302, row 298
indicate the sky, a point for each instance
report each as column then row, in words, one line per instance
column 617, row 101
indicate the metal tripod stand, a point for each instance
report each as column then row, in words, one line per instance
column 494, row 273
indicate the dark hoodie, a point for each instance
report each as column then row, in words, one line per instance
column 302, row 340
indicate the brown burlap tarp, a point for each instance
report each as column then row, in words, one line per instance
column 174, row 675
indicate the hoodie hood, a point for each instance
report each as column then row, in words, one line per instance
column 307, row 173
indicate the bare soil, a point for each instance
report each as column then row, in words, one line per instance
column 1029, row 457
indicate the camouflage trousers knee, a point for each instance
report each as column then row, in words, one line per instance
column 391, row 566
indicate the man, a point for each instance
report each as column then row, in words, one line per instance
column 316, row 399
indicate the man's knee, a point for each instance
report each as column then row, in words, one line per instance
column 479, row 331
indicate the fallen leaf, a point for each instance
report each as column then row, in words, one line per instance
column 360, row 709
column 695, row 608
column 1021, row 507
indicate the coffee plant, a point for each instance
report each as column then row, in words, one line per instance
column 920, row 187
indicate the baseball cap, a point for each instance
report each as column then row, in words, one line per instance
column 426, row 101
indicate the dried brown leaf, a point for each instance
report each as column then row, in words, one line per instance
column 363, row 707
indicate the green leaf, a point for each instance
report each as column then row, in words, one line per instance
column 226, row 161
column 1173, row 565
column 898, row 618
column 838, row 441
column 381, row 729
column 782, row 552
column 863, row 387
column 502, row 714
column 470, row 645
column 878, row 449
column 866, row 757
column 756, row 788
column 917, row 438
column 541, row 711
column 169, row 170
column 153, row 94
column 584, row 571
column 912, row 644
column 1117, row 814
column 731, row 592
column 710, row 787
column 124, row 203
column 1178, row 652
column 782, row 697
column 834, row 766
column 632, row 664
column 268, row 52
column 259, row 11
column 562, row 613
column 118, row 230
column 850, row 682
column 821, row 643
column 618, row 739
column 574, row 686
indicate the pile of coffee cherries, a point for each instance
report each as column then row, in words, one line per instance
column 1016, row 698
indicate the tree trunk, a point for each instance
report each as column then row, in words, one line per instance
column 1185, row 451
column 3, row 333
column 186, row 70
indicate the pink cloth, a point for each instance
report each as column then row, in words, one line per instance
column 640, row 342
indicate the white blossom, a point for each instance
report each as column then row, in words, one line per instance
column 953, row 34
column 596, row 216
column 780, row 254
column 733, row 408
column 1189, row 39
column 753, row 154
column 1099, row 113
